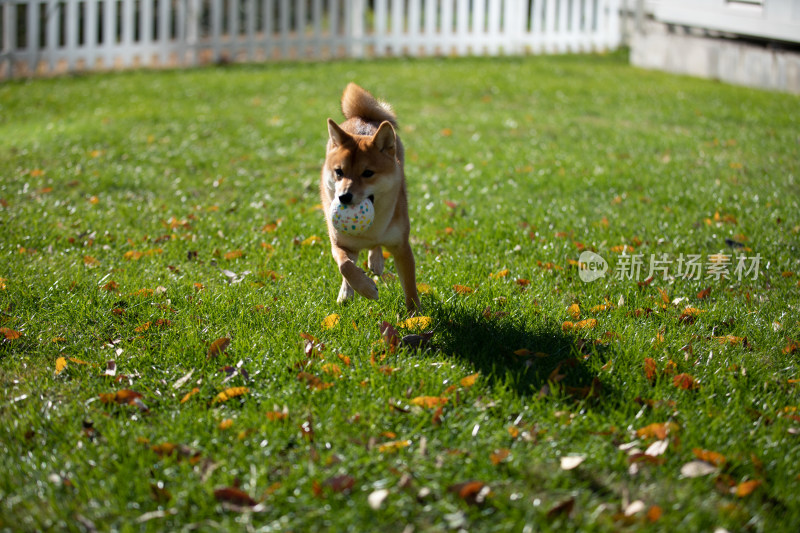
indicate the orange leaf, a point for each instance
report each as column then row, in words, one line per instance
column 499, row 274
column 650, row 369
column 523, row 352
column 61, row 364
column 654, row 513
column 124, row 397
column 685, row 382
column 664, row 295
column 621, row 248
column 234, row 254
column 746, row 487
column 575, row 311
column 218, row 347
column 225, row 424
column 716, row 459
column 10, row 334
column 332, row 369
column 227, row 394
column 313, row 382
column 702, row 295
column 90, row 261
column 470, row 380
column 588, row 323
column 144, row 327
column 429, row 401
column 657, row 430
column 189, row 395
column 274, row 416
column 472, row 492
column 499, row 455
column 567, row 326
column 462, row 289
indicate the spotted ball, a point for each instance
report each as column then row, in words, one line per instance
column 352, row 219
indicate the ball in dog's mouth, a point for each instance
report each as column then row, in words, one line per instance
column 353, row 219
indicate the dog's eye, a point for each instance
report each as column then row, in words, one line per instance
column 367, row 174
column 339, row 172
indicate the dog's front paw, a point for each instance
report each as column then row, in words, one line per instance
column 359, row 281
column 368, row 289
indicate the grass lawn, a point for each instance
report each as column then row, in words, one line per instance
column 145, row 216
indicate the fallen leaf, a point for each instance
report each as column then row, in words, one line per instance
column 310, row 241
column 472, row 492
column 650, row 369
column 393, row 446
column 575, row 311
column 697, row 469
column 685, row 382
column 330, row 321
column 218, row 347
column 745, row 488
column 233, row 254
column 469, row 381
column 341, row 483
column 61, row 364
column 702, row 295
column 569, row 462
column 562, row 508
column 313, row 382
column 10, row 334
column 657, row 448
column 416, row 323
column 235, row 496
column 462, row 289
column 232, row 392
column 429, row 402
column 189, row 395
column 376, row 498
column 499, row 455
column 654, row 513
column 225, row 424
column 657, row 430
column 714, row 458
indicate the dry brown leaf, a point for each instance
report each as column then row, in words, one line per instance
column 714, row 458
column 10, row 334
column 218, row 347
column 234, row 495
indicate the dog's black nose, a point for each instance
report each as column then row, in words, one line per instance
column 346, row 198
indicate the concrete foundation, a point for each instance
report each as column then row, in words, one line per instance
column 717, row 56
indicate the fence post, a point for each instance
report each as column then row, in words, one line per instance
column 356, row 36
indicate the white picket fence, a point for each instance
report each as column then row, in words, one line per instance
column 44, row 37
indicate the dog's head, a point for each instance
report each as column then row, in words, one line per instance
column 360, row 166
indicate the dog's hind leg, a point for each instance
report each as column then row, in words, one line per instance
column 375, row 260
column 404, row 261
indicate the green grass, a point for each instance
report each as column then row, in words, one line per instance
column 512, row 164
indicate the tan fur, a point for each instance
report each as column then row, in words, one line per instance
column 367, row 140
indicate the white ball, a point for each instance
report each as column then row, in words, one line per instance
column 352, row 219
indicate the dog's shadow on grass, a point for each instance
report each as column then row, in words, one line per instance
column 528, row 358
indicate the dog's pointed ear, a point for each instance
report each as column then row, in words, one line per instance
column 385, row 139
column 337, row 135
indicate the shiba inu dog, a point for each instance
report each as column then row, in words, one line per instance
column 364, row 163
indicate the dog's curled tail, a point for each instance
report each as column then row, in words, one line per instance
column 357, row 102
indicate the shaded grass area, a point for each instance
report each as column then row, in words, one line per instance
column 145, row 215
